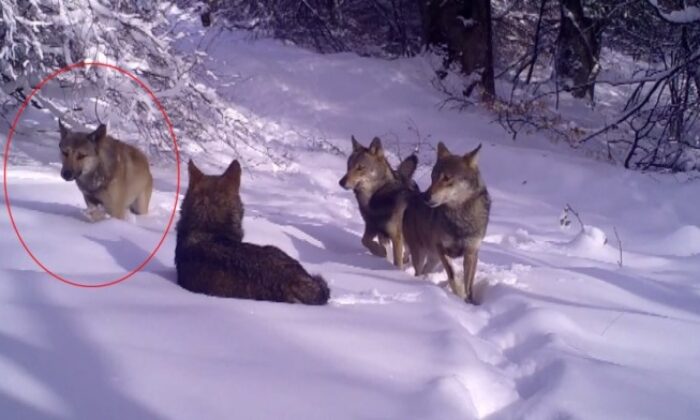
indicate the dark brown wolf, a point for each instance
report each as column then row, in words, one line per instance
column 382, row 194
column 112, row 175
column 211, row 257
column 449, row 220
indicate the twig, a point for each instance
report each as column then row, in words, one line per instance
column 611, row 323
column 659, row 82
column 571, row 210
column 619, row 245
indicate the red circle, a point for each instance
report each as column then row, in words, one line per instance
column 7, row 150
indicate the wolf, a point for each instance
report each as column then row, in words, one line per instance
column 382, row 195
column 113, row 176
column 211, row 257
column 449, row 220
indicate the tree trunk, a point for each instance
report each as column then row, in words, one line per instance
column 578, row 49
column 463, row 29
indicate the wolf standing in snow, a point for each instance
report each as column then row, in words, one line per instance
column 109, row 173
column 211, row 257
column 449, row 220
column 382, row 195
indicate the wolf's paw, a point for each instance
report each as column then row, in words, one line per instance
column 378, row 250
column 95, row 214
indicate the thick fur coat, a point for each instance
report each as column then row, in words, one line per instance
column 211, row 257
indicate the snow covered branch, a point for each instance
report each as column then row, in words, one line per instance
column 42, row 36
column 688, row 14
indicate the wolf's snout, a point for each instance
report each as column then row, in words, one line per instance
column 428, row 199
column 67, row 174
column 343, row 182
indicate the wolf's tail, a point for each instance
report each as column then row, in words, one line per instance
column 311, row 290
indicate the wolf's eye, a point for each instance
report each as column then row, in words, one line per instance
column 446, row 178
column 80, row 156
column 64, row 153
column 360, row 167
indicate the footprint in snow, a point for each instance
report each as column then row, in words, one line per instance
column 374, row 297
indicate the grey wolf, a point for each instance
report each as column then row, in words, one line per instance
column 110, row 174
column 382, row 195
column 211, row 257
column 449, row 220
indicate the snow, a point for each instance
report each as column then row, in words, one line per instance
column 560, row 329
column 684, row 241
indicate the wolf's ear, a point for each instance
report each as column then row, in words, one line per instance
column 62, row 128
column 408, row 167
column 375, row 147
column 195, row 174
column 356, row 144
column 233, row 175
column 99, row 133
column 471, row 158
column 442, row 151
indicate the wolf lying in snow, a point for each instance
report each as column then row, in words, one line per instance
column 211, row 257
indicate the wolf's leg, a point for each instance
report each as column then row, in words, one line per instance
column 147, row 194
column 456, row 287
column 431, row 263
column 95, row 214
column 470, row 259
column 140, row 205
column 416, row 260
column 373, row 247
column 118, row 212
column 397, row 247
column 94, row 211
column 116, row 208
column 384, row 241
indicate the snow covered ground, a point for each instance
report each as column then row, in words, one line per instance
column 560, row 331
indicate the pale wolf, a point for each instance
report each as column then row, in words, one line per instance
column 211, row 257
column 449, row 220
column 382, row 194
column 112, row 175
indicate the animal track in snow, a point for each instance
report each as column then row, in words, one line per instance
column 374, row 297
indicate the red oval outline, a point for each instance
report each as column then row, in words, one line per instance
column 7, row 153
